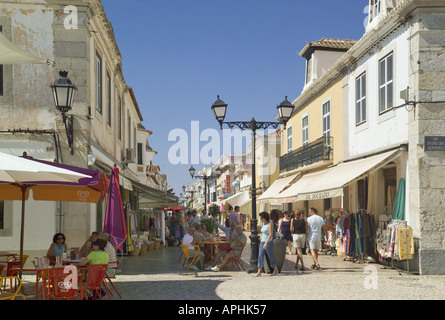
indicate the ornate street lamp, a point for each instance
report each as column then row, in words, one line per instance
column 63, row 93
column 285, row 110
column 205, row 177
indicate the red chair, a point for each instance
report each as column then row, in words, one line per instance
column 113, row 276
column 95, row 278
column 60, row 285
column 236, row 259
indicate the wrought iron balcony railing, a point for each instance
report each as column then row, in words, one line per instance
column 319, row 150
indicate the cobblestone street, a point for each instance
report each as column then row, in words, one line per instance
column 156, row 276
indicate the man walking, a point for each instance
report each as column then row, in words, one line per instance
column 315, row 224
column 234, row 216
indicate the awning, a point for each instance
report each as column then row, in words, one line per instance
column 329, row 183
column 154, row 198
column 11, row 54
column 277, row 186
column 237, row 199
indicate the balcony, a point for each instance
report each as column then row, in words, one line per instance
column 316, row 151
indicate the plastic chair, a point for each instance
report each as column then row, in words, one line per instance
column 108, row 278
column 13, row 293
column 236, row 259
column 11, row 263
column 186, row 255
column 58, row 285
column 96, row 274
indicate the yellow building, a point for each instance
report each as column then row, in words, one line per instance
column 313, row 138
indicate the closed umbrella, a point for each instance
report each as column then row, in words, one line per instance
column 114, row 223
column 399, row 203
column 20, row 174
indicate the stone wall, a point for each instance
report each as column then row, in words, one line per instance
column 427, row 168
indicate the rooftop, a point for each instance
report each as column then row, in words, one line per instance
column 327, row 43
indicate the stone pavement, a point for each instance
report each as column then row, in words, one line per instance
column 155, row 276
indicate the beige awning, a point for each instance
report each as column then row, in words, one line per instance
column 329, row 183
column 277, row 186
column 11, row 54
column 237, row 199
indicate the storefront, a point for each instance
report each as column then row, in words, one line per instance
column 362, row 201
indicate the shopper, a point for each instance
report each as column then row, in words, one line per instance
column 234, row 216
column 266, row 244
column 284, row 229
column 298, row 230
column 315, row 225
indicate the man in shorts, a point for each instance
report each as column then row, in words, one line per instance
column 315, row 224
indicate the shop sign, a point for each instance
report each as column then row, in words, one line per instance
column 434, row 143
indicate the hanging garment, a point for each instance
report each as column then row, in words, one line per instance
column 406, row 243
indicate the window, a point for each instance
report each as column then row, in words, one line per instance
column 360, row 99
column 305, row 132
column 386, row 83
column 98, row 83
column 139, row 153
column 108, row 99
column 309, row 70
column 119, row 118
column 327, row 119
column 289, row 139
column 374, row 9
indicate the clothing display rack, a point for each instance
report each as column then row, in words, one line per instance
column 356, row 236
column 395, row 242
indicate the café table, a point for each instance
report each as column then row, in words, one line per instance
column 214, row 246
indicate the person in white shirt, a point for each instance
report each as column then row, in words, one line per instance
column 315, row 224
column 188, row 240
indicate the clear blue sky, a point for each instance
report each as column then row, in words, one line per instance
column 178, row 55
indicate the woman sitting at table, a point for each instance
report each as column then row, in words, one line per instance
column 201, row 233
column 58, row 247
column 97, row 256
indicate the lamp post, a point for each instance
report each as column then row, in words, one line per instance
column 63, row 93
column 205, row 178
column 184, row 188
column 285, row 110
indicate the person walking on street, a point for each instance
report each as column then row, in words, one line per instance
column 284, row 229
column 298, row 230
column 266, row 244
column 315, row 223
column 234, row 216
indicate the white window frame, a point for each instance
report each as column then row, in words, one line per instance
column 308, row 70
column 386, row 83
column 109, row 91
column 360, row 99
column 326, row 118
column 289, row 139
column 99, row 93
column 305, row 130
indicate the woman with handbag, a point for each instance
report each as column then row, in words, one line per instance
column 266, row 244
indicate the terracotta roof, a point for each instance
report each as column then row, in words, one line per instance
column 338, row 44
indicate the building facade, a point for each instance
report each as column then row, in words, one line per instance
column 107, row 120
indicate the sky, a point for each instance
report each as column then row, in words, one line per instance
column 178, row 55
